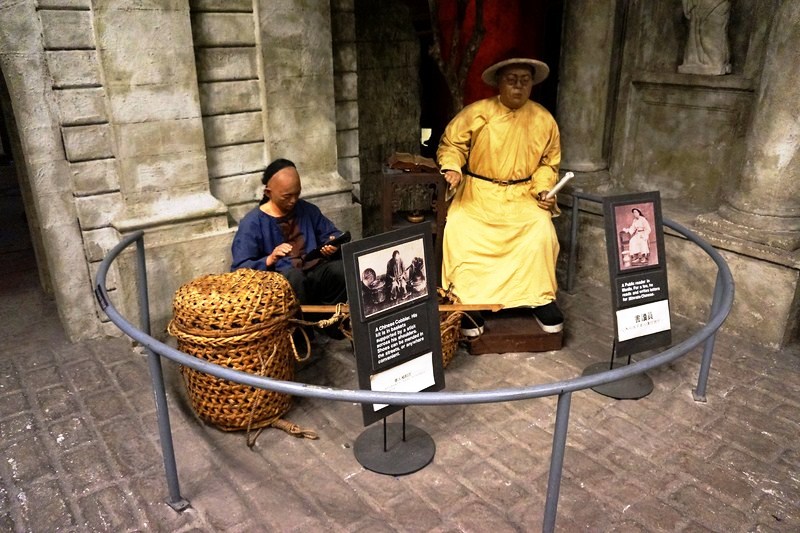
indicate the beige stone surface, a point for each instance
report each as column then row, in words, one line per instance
column 221, row 130
column 242, row 188
column 126, row 66
column 346, row 115
column 345, row 86
column 83, row 143
column 348, row 143
column 237, row 212
column 73, row 68
column 349, row 168
column 64, row 29
column 223, row 29
column 85, row 4
column 236, row 159
column 586, row 62
column 99, row 242
column 129, row 116
column 164, row 218
column 158, row 137
column 226, row 64
column 148, row 175
column 344, row 215
column 94, row 177
column 219, row 98
column 98, row 210
column 154, row 6
column 221, row 5
column 153, row 102
column 81, row 106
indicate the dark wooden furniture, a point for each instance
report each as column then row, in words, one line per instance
column 436, row 214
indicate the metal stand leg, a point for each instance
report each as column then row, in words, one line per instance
column 573, row 244
column 556, row 461
column 176, row 501
column 699, row 394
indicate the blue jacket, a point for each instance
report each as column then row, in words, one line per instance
column 259, row 234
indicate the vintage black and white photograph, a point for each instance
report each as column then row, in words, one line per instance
column 393, row 276
column 635, row 225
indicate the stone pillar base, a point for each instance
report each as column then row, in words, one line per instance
column 717, row 228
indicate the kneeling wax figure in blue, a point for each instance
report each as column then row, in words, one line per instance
column 281, row 230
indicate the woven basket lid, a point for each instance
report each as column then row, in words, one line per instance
column 220, row 305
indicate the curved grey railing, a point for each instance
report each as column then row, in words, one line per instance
column 720, row 308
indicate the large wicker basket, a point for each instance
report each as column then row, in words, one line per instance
column 450, row 327
column 240, row 320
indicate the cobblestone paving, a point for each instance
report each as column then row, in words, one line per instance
column 80, row 449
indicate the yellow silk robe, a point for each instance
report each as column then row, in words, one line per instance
column 499, row 245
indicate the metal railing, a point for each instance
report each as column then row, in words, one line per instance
column 720, row 308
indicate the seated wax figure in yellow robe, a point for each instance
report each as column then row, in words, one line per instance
column 500, row 245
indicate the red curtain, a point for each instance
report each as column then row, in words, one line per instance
column 510, row 26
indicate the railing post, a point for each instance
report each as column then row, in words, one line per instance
column 556, row 461
column 699, row 393
column 176, row 501
column 573, row 242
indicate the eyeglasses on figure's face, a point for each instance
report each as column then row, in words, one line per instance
column 513, row 80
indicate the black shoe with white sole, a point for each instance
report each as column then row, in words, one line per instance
column 549, row 317
column 472, row 324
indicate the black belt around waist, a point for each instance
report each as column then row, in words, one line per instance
column 499, row 182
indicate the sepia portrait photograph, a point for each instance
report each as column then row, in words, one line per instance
column 392, row 276
column 636, row 236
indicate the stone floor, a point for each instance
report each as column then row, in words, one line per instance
column 80, row 449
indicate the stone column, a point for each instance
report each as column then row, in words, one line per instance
column 153, row 103
column 296, row 61
column 766, row 205
column 147, row 66
column 297, row 57
column 584, row 83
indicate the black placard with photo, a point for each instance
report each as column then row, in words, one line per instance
column 638, row 271
column 391, row 289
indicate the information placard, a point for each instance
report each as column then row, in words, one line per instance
column 638, row 271
column 391, row 288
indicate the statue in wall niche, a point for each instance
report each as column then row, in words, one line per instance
column 707, row 50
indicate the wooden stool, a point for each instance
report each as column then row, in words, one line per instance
column 514, row 330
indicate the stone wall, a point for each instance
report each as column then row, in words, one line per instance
column 718, row 148
column 388, row 95
column 345, row 87
column 224, row 37
column 159, row 116
column 683, row 134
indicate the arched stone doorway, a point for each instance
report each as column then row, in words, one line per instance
column 16, row 245
column 43, row 171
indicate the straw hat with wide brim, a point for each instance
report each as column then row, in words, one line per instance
column 540, row 70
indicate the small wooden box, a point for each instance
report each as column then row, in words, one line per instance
column 514, row 330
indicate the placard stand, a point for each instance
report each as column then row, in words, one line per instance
column 630, row 388
column 394, row 449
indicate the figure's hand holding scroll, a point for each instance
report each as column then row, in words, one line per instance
column 544, row 202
